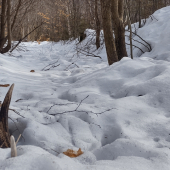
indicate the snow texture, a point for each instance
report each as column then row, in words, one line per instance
column 119, row 115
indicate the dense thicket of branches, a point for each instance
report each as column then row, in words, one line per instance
column 64, row 19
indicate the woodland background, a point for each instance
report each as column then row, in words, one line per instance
column 55, row 20
column 69, row 18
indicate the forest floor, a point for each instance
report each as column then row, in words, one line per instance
column 119, row 115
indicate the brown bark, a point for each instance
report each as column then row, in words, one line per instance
column 4, row 132
column 140, row 24
column 16, row 14
column 9, row 36
column 119, row 30
column 97, row 25
column 108, row 33
column 130, row 28
column 3, row 18
column 121, row 9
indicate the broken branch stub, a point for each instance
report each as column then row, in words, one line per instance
column 4, row 131
column 13, row 147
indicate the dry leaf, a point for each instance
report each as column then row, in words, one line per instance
column 32, row 71
column 4, row 85
column 72, row 153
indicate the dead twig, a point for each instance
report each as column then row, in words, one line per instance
column 153, row 17
column 17, row 129
column 19, row 100
column 17, row 112
column 72, row 110
column 136, row 47
column 81, row 102
column 18, row 139
column 52, row 65
column 25, row 37
column 140, row 43
column 58, row 105
column 141, row 39
column 71, row 65
column 87, row 53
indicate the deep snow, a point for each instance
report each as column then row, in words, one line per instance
column 118, row 115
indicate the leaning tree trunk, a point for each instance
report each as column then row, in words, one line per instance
column 119, row 29
column 4, row 132
column 108, row 33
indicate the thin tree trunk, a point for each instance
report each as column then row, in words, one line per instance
column 97, row 25
column 3, row 21
column 68, row 22
column 139, row 14
column 8, row 47
column 16, row 14
column 130, row 27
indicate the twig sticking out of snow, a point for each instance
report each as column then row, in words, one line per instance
column 17, row 112
column 71, row 65
column 76, row 109
column 152, row 16
column 13, row 147
column 52, row 65
column 58, row 105
column 149, row 45
column 18, row 139
column 81, row 102
column 87, row 53
column 16, row 129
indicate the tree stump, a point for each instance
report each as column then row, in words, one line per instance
column 4, row 131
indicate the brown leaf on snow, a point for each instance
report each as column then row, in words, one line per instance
column 4, row 85
column 73, row 154
column 32, row 71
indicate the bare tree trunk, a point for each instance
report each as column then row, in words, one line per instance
column 3, row 21
column 97, row 25
column 108, row 33
column 16, row 14
column 130, row 27
column 4, row 132
column 68, row 20
column 8, row 47
column 139, row 13
column 119, row 30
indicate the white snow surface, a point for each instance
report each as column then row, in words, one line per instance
column 119, row 115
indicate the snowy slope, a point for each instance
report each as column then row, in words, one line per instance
column 119, row 115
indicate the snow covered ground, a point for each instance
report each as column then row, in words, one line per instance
column 119, row 115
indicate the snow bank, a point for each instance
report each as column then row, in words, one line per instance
column 117, row 115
